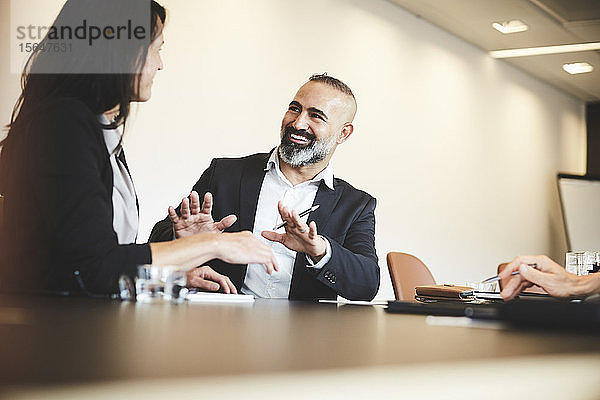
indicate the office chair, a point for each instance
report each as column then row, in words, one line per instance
column 407, row 272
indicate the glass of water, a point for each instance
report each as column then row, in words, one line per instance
column 572, row 262
column 582, row 262
column 157, row 283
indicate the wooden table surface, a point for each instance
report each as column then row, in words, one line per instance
column 46, row 340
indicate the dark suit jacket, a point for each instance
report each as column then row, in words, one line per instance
column 345, row 217
column 57, row 181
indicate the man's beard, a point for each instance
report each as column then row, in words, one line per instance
column 301, row 155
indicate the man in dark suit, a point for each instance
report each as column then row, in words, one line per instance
column 334, row 253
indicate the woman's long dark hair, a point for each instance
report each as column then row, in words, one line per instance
column 48, row 76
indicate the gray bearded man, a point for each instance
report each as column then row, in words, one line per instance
column 327, row 253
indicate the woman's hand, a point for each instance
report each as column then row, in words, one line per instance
column 233, row 248
column 208, row 279
column 550, row 276
column 244, row 248
column 195, row 219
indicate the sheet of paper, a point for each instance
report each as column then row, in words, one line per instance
column 433, row 320
column 355, row 303
column 488, row 295
column 205, row 297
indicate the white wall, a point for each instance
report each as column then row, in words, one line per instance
column 460, row 150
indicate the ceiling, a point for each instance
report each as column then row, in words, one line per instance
column 551, row 22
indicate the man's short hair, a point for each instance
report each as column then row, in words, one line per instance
column 333, row 82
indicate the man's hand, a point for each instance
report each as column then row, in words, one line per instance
column 208, row 279
column 298, row 235
column 197, row 220
column 550, row 276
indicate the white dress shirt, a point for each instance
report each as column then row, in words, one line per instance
column 125, row 212
column 277, row 187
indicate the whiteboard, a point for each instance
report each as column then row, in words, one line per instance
column 580, row 202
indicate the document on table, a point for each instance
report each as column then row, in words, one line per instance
column 487, row 295
column 355, row 302
column 207, row 297
column 496, row 295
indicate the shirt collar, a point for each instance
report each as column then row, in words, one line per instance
column 112, row 137
column 326, row 175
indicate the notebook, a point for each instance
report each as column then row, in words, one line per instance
column 556, row 315
column 451, row 309
column 527, row 312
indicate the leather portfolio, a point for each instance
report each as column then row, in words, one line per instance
column 446, row 292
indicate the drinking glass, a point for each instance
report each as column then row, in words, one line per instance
column 156, row 283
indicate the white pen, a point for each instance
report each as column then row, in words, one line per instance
column 302, row 214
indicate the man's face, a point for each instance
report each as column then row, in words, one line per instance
column 312, row 124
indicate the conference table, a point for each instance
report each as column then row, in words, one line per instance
column 53, row 347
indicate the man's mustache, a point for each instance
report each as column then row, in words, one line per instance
column 289, row 130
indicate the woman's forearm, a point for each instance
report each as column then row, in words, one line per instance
column 187, row 252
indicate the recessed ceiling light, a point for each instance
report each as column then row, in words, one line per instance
column 578, row 68
column 513, row 26
column 538, row 51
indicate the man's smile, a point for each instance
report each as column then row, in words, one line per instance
column 299, row 139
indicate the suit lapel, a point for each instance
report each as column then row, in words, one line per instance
column 327, row 199
column 250, row 185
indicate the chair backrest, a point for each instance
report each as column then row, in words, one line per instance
column 407, row 272
column 1, row 209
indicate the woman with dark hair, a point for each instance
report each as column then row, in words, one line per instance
column 70, row 209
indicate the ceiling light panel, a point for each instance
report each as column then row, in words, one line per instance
column 538, row 51
column 578, row 68
column 513, row 26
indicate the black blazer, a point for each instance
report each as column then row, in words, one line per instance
column 57, row 181
column 345, row 217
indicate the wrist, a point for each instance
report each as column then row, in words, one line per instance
column 201, row 247
column 215, row 246
column 587, row 285
column 320, row 250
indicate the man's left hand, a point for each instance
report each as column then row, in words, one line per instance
column 298, row 235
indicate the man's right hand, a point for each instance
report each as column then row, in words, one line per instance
column 195, row 219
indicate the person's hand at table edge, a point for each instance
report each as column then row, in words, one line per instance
column 549, row 275
column 206, row 278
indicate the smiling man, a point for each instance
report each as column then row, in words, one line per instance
column 327, row 253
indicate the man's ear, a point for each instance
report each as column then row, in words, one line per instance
column 345, row 133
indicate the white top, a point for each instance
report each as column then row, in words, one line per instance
column 277, row 187
column 125, row 212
